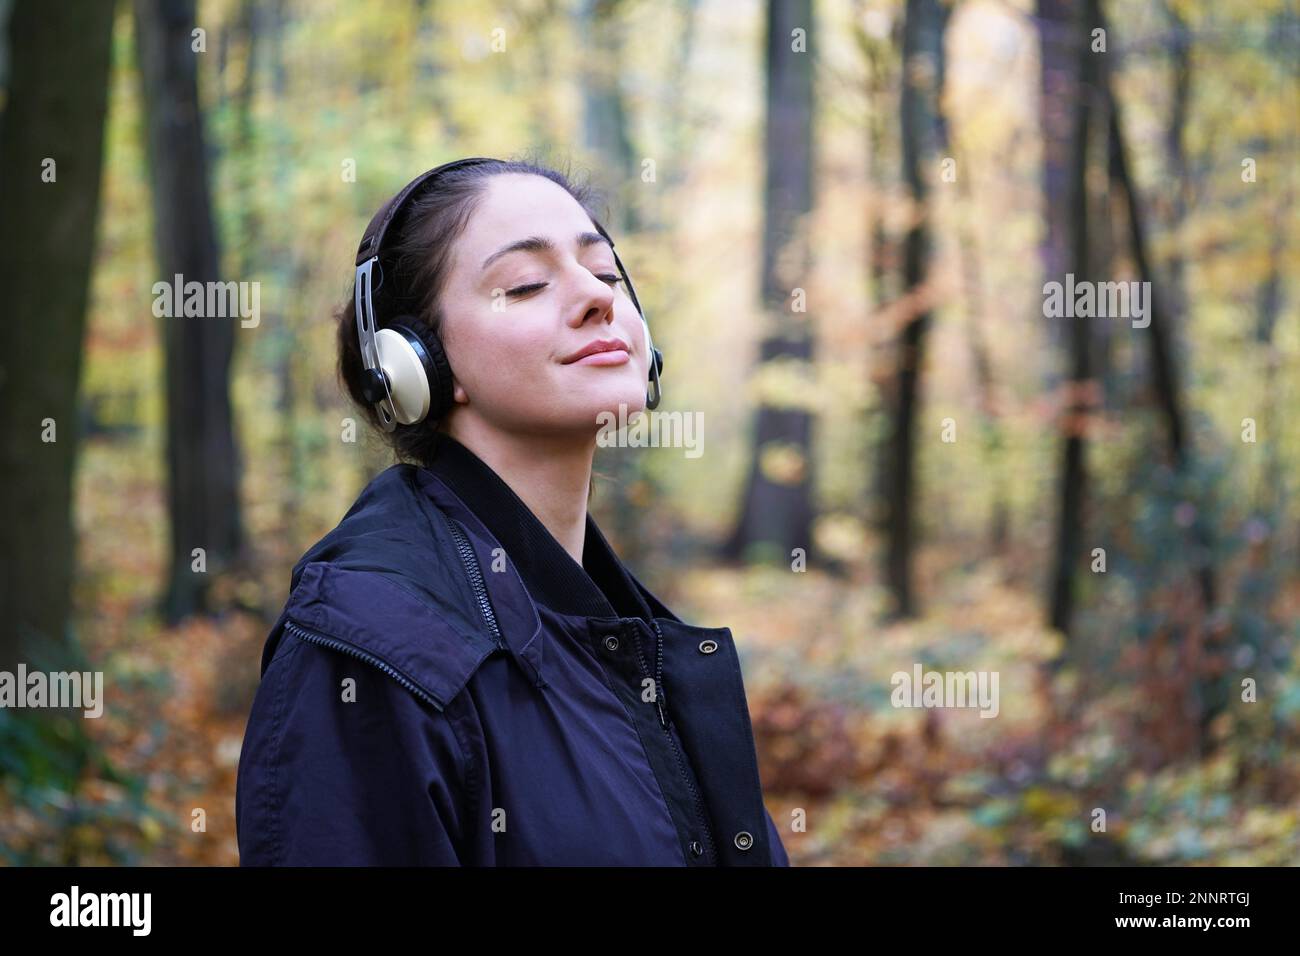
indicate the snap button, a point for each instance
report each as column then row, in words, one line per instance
column 744, row 840
column 611, row 643
column 708, row 647
column 696, row 849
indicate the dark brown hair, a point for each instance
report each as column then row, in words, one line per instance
column 415, row 263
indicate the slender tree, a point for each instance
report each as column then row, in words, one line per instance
column 880, row 63
column 1167, row 300
column 202, row 464
column 776, row 513
column 920, row 132
column 1077, row 407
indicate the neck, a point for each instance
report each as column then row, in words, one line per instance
column 550, row 474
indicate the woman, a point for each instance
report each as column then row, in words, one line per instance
column 464, row 672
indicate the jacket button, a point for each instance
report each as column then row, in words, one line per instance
column 611, row 643
column 696, row 849
column 744, row 840
column 708, row 647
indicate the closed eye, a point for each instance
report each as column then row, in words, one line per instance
column 534, row 286
column 525, row 289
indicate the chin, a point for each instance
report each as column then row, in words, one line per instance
column 599, row 410
column 607, row 395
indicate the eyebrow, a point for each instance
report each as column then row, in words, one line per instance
column 542, row 244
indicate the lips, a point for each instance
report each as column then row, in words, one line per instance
column 601, row 347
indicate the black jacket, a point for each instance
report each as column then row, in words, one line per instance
column 446, row 686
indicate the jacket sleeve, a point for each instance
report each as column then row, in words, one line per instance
column 779, row 855
column 338, row 774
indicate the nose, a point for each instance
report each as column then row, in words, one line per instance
column 595, row 300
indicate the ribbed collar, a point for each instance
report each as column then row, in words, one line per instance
column 599, row 587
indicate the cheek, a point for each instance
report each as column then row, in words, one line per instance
column 494, row 354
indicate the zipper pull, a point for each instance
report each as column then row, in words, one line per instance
column 663, row 721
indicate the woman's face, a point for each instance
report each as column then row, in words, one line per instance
column 513, row 318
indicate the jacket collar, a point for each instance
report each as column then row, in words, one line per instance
column 599, row 587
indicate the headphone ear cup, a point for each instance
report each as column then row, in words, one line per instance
column 401, row 356
column 437, row 368
column 656, row 356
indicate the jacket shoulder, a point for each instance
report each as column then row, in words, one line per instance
column 341, row 767
column 387, row 585
column 372, row 617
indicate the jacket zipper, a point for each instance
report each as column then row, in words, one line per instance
column 311, row 637
column 700, row 812
column 480, row 592
column 468, row 558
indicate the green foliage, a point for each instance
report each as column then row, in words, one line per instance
column 53, row 814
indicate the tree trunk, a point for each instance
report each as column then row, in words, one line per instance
column 55, row 108
column 1058, row 39
column 202, row 464
column 1161, row 347
column 922, row 130
column 776, row 514
column 1073, row 488
column 879, row 61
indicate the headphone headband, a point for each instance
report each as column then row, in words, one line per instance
column 372, row 243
